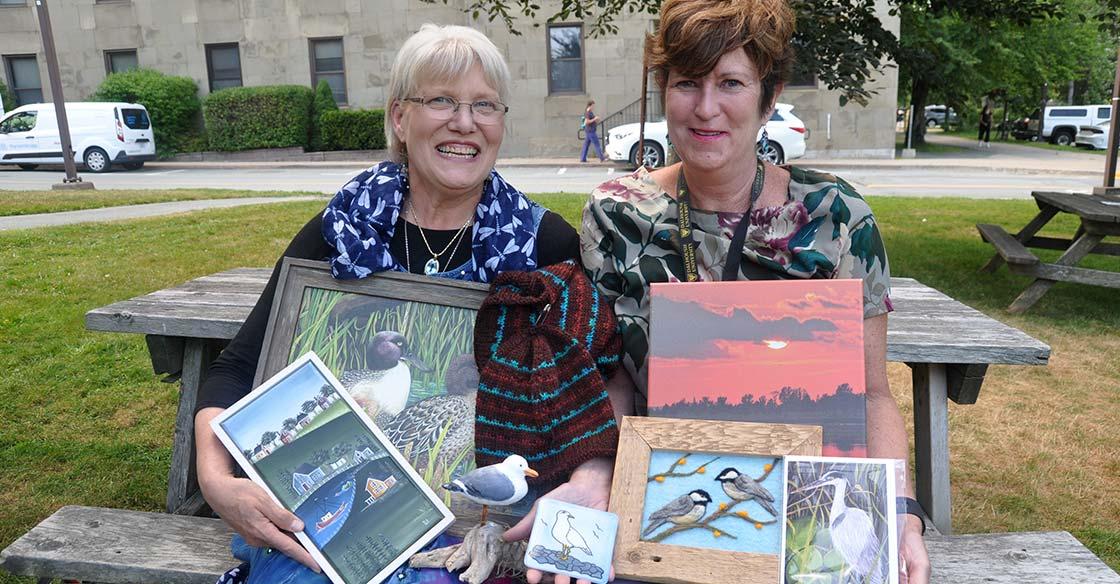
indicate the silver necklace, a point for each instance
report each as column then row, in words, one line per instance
column 432, row 266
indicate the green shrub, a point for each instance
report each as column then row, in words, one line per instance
column 172, row 102
column 354, row 129
column 8, row 97
column 324, row 102
column 242, row 118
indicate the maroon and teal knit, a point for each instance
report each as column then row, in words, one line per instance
column 545, row 341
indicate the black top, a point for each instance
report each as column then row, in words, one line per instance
column 230, row 377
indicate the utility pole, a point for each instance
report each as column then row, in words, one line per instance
column 72, row 180
column 1109, row 187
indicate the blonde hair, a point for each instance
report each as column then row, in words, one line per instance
column 694, row 34
column 441, row 53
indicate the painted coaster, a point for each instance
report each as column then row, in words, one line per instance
column 572, row 540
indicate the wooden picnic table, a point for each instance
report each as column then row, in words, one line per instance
column 1100, row 218
column 947, row 345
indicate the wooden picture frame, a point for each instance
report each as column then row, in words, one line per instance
column 350, row 310
column 659, row 562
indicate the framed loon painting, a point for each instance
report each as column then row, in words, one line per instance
column 309, row 444
column 402, row 347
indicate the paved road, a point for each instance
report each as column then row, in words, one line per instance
column 869, row 180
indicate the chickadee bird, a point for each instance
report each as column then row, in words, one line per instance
column 682, row 510
column 741, row 487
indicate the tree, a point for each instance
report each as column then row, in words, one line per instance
column 268, row 437
column 289, row 424
column 308, row 406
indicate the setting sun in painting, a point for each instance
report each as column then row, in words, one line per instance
column 788, row 351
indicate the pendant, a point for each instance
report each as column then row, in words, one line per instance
column 431, row 267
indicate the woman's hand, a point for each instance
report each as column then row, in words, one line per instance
column 589, row 486
column 914, row 561
column 242, row 504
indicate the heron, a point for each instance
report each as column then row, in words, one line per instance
column 851, row 530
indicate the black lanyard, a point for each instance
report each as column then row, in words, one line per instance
column 689, row 243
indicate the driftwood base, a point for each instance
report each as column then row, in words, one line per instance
column 481, row 555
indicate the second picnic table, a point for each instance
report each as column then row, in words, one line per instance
column 947, row 345
column 1100, row 218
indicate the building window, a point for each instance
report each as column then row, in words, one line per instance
column 120, row 61
column 565, row 58
column 23, row 78
column 13, row 2
column 223, row 66
column 327, row 64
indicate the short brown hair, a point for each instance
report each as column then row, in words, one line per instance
column 694, row 34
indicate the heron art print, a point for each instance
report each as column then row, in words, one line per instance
column 840, row 521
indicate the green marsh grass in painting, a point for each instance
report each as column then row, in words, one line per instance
column 349, row 332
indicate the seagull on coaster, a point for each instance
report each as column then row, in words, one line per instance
column 567, row 536
column 497, row 484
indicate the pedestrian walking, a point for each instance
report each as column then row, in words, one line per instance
column 590, row 133
column 985, row 137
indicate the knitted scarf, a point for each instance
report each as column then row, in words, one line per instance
column 359, row 221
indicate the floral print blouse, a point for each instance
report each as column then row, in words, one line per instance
column 629, row 239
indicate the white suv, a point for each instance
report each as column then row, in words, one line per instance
column 1063, row 122
column 787, row 135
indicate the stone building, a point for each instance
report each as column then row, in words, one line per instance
column 351, row 44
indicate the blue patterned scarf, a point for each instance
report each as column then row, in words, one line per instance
column 359, row 221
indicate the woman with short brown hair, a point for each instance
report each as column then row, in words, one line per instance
column 721, row 66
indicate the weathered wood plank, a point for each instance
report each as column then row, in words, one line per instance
column 965, row 381
column 927, row 326
column 166, row 353
column 118, row 546
column 1045, row 214
column 1084, row 205
column 1071, row 274
column 1009, row 248
column 931, row 442
column 182, row 481
column 1015, row 558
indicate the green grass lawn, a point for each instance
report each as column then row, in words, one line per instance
column 30, row 202
column 86, row 422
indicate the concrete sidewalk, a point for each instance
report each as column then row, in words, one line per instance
column 1007, row 157
column 133, row 211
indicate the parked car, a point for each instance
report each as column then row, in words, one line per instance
column 1093, row 137
column 786, row 132
column 102, row 134
column 1063, row 122
column 935, row 116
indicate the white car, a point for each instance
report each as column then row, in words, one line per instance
column 786, row 132
column 102, row 135
column 1094, row 137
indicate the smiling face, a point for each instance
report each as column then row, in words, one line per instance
column 453, row 156
column 714, row 120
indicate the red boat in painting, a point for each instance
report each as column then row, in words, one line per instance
column 330, row 517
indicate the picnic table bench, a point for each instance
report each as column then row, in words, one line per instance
column 117, row 546
column 1100, row 218
column 947, row 345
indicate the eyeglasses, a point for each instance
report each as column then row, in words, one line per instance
column 444, row 107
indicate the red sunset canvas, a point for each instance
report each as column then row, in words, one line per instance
column 786, row 351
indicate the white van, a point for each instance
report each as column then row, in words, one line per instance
column 102, row 134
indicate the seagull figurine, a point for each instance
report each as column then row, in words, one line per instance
column 496, row 484
column 567, row 536
column 683, row 510
column 419, row 427
column 741, row 487
column 383, row 388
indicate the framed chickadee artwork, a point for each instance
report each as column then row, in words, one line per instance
column 699, row 501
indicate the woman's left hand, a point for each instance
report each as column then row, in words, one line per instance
column 914, row 561
column 589, row 486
